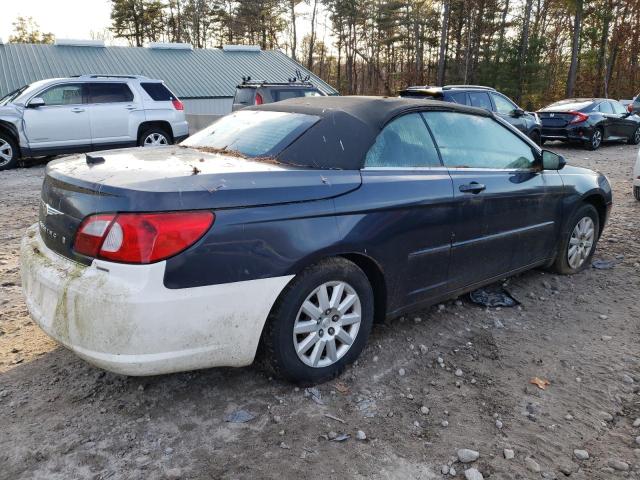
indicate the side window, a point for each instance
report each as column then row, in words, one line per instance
column 459, row 97
column 480, row 99
column 503, row 105
column 605, row 107
column 637, row 100
column 158, row 92
column 109, row 93
column 404, row 142
column 618, row 108
column 485, row 143
column 69, row 94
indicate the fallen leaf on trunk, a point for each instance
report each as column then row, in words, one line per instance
column 541, row 383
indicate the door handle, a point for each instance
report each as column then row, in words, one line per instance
column 130, row 107
column 473, row 187
column 77, row 110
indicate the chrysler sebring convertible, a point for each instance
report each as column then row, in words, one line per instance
column 289, row 228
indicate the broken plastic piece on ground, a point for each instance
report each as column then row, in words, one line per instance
column 603, row 264
column 239, row 416
column 341, row 438
column 541, row 383
column 314, row 394
column 493, row 297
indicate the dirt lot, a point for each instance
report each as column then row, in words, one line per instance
column 61, row 418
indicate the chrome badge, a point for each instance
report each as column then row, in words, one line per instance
column 49, row 210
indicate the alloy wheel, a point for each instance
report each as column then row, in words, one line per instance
column 6, row 152
column 155, row 139
column 636, row 136
column 327, row 324
column 581, row 242
column 596, row 139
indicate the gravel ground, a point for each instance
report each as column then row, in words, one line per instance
column 452, row 377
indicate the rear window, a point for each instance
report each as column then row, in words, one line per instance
column 158, row 92
column 244, row 96
column 286, row 93
column 421, row 94
column 109, row 93
column 253, row 133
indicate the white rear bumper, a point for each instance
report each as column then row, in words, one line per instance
column 122, row 318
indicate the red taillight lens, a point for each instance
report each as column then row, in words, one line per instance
column 140, row 237
column 578, row 117
column 259, row 100
column 630, row 108
column 177, row 104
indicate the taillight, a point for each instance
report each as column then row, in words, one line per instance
column 630, row 108
column 140, row 237
column 578, row 117
column 177, row 104
column 259, row 100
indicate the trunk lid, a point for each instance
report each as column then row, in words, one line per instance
column 170, row 179
column 555, row 119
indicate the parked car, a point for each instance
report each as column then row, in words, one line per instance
column 634, row 107
column 293, row 225
column 259, row 92
column 482, row 97
column 589, row 121
column 85, row 113
column 636, row 178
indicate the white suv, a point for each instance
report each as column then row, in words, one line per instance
column 87, row 113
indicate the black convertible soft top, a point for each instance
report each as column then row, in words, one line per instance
column 348, row 126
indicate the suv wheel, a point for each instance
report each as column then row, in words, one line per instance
column 320, row 323
column 596, row 139
column 579, row 242
column 8, row 152
column 154, row 137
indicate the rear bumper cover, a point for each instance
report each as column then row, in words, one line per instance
column 122, row 318
column 575, row 133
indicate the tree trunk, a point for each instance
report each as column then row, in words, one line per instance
column 312, row 35
column 575, row 50
column 524, row 48
column 443, row 43
column 294, row 33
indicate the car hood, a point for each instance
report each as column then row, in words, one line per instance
column 9, row 110
column 173, row 178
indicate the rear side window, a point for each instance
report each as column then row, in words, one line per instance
column 253, row 133
column 68, row 94
column 481, row 100
column 109, row 93
column 244, row 96
column 158, row 92
column 404, row 142
column 605, row 107
column 637, row 100
column 485, row 143
column 503, row 105
column 459, row 97
column 618, row 108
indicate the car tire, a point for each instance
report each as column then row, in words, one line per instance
column 636, row 193
column 535, row 137
column 595, row 141
column 9, row 152
column 582, row 233
column 635, row 138
column 154, row 137
column 281, row 346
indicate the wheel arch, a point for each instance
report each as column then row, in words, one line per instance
column 599, row 203
column 162, row 124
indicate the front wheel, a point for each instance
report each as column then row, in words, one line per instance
column 8, row 152
column 579, row 242
column 596, row 139
column 320, row 323
column 635, row 138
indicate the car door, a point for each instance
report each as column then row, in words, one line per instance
column 115, row 114
column 609, row 125
column 62, row 123
column 403, row 211
column 506, row 109
column 626, row 127
column 507, row 209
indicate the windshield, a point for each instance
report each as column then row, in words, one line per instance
column 12, row 96
column 252, row 133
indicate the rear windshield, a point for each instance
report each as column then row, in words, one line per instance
column 158, row 92
column 244, row 96
column 285, row 93
column 569, row 105
column 420, row 94
column 252, row 133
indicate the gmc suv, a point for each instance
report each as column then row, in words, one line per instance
column 87, row 113
column 483, row 97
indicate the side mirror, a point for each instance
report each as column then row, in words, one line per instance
column 517, row 112
column 36, row 102
column 552, row 161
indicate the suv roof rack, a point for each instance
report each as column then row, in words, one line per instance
column 108, row 76
column 471, row 87
column 297, row 80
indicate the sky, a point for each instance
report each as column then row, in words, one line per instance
column 63, row 18
column 79, row 18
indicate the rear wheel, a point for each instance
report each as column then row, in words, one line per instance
column 578, row 244
column 8, row 152
column 636, row 193
column 320, row 323
column 635, row 138
column 154, row 137
column 596, row 139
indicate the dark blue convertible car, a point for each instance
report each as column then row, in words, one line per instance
column 293, row 226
